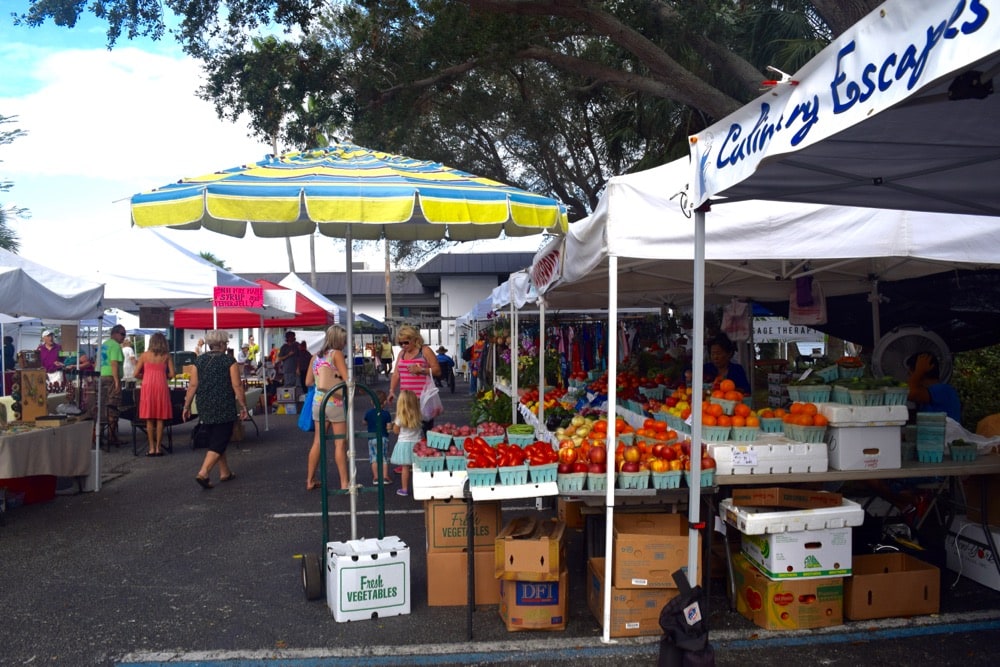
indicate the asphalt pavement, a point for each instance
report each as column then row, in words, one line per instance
column 154, row 570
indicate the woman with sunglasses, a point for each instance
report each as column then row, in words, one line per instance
column 415, row 362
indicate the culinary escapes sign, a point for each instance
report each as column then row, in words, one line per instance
column 879, row 62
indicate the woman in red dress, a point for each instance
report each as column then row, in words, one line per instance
column 154, row 367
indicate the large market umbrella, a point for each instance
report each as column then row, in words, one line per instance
column 347, row 191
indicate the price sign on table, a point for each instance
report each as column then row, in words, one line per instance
column 744, row 458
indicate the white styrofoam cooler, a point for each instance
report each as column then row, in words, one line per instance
column 968, row 552
column 367, row 579
column 863, row 415
column 768, row 454
column 757, row 521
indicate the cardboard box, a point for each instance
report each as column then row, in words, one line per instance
column 447, row 578
column 974, row 488
column 865, row 447
column 530, row 550
column 367, row 579
column 447, row 524
column 788, row 604
column 570, row 512
column 801, row 554
column 890, row 585
column 635, row 612
column 969, row 553
column 535, row 605
column 776, row 496
column 648, row 549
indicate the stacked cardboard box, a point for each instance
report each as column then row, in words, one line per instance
column 796, row 551
column 447, row 551
column 647, row 550
column 530, row 563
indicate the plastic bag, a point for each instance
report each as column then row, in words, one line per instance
column 430, row 400
column 736, row 320
column 306, row 422
column 806, row 303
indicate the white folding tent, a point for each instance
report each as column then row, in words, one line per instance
column 898, row 112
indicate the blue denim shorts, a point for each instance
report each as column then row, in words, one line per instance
column 385, row 449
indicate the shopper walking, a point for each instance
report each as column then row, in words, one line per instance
column 154, row 367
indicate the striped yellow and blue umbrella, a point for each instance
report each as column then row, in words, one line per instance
column 346, row 191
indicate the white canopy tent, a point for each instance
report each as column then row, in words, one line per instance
column 636, row 250
column 898, row 112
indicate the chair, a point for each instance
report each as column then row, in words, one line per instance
column 129, row 411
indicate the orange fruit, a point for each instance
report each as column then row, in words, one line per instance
column 819, row 420
column 809, row 408
column 779, row 412
column 804, row 420
column 724, row 420
column 733, row 395
column 753, row 421
column 715, row 410
column 739, row 420
column 727, row 385
column 766, row 413
column 742, row 410
column 795, row 408
column 707, row 420
column 718, row 393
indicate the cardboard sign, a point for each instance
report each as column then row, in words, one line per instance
column 238, row 297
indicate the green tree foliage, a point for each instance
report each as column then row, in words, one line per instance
column 551, row 95
column 8, row 239
column 210, row 257
column 973, row 377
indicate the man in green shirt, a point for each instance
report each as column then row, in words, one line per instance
column 112, row 362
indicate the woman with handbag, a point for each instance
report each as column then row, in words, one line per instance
column 216, row 383
column 415, row 367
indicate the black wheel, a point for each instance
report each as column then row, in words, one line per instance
column 312, row 576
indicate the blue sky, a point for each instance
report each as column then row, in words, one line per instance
column 103, row 125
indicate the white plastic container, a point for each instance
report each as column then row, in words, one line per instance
column 757, row 521
column 768, row 454
column 839, row 414
column 367, row 579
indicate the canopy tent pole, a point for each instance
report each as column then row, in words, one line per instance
column 97, row 417
column 541, row 364
column 697, row 380
column 514, row 349
column 876, row 300
column 610, row 442
column 263, row 376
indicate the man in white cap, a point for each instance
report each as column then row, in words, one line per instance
column 49, row 351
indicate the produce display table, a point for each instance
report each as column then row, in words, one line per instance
column 984, row 465
column 34, row 458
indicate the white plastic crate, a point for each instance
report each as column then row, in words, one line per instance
column 368, row 579
column 757, row 521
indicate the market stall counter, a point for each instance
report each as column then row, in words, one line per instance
column 31, row 458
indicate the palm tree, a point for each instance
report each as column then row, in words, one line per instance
column 209, row 257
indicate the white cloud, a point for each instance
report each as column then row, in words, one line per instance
column 103, row 125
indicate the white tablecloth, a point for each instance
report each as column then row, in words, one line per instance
column 63, row 451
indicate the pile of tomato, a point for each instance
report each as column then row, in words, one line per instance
column 480, row 454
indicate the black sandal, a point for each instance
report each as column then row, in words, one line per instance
column 230, row 478
column 203, row 482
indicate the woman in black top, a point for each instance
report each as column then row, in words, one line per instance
column 216, row 384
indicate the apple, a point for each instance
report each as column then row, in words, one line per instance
column 632, row 454
column 598, row 454
column 659, row 465
column 707, row 463
column 581, row 466
column 564, row 468
column 567, row 454
column 630, row 466
column 598, row 468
